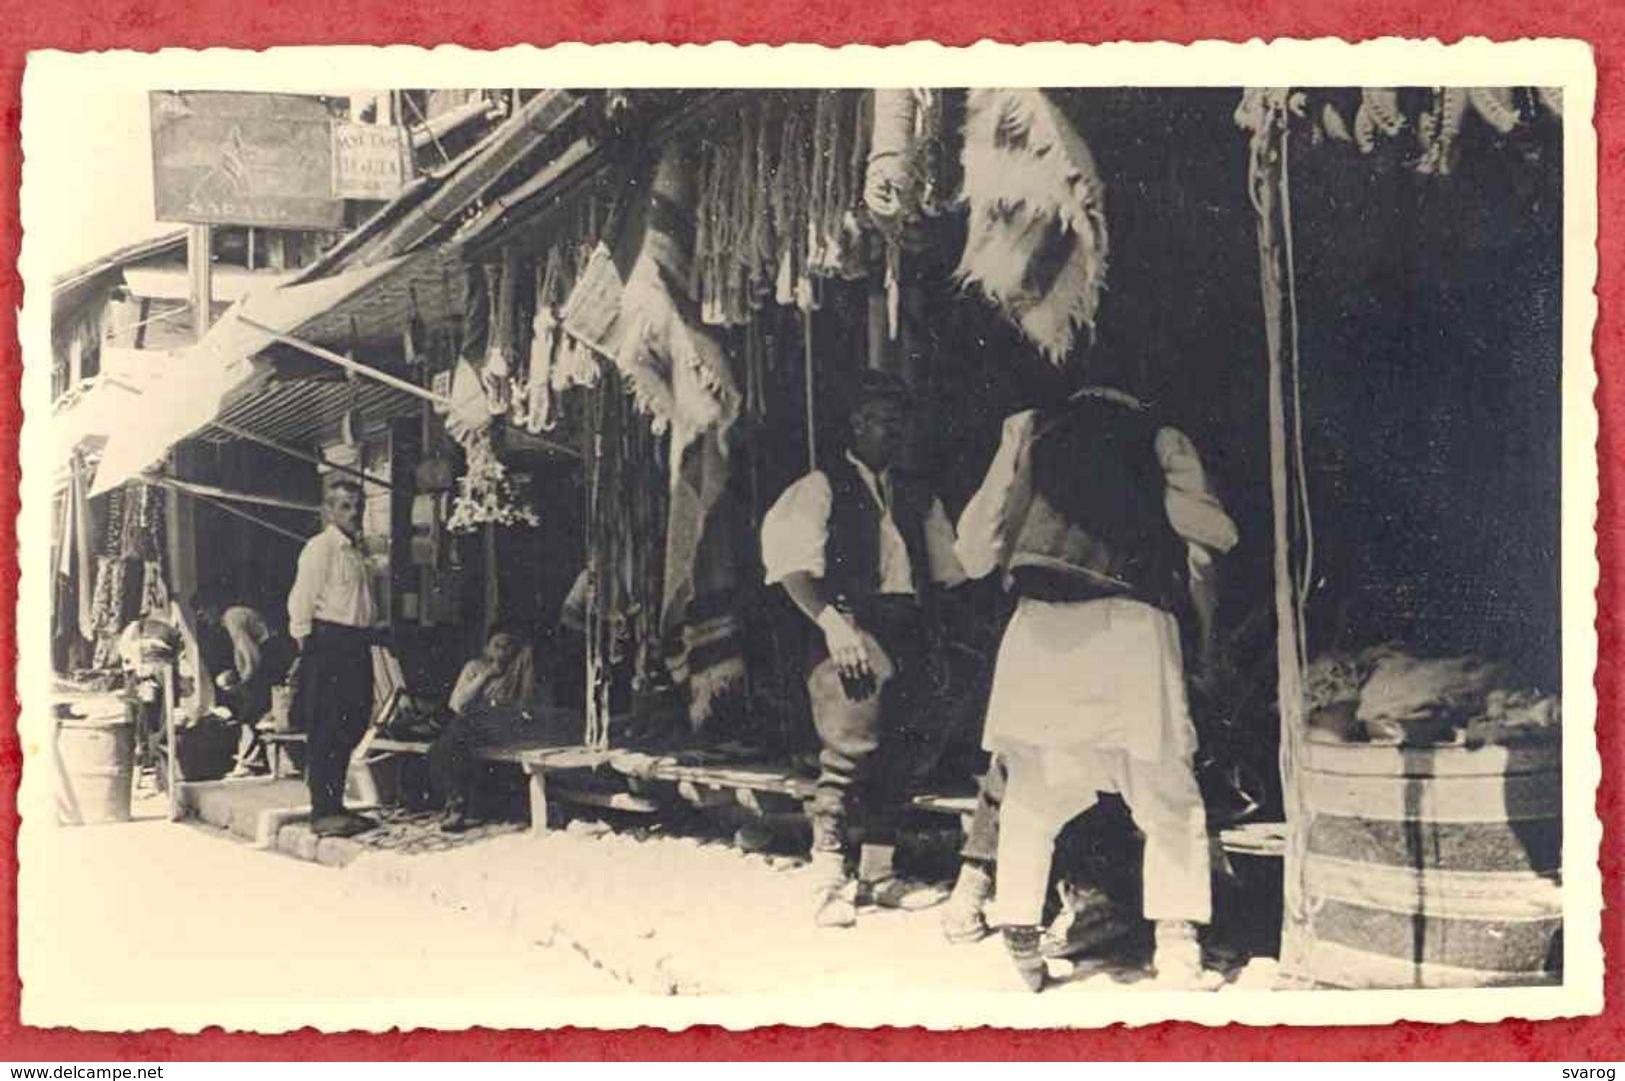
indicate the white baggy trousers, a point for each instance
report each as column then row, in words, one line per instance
column 1088, row 698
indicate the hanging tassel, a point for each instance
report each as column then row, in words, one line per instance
column 1495, row 105
column 893, row 289
column 759, row 250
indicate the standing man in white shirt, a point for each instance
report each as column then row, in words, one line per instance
column 858, row 546
column 330, row 617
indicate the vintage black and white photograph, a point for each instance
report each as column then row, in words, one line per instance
column 883, row 548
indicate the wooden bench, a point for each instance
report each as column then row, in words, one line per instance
column 697, row 781
column 535, row 758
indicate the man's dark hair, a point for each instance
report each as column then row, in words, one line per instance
column 509, row 627
column 209, row 598
column 343, row 484
column 874, row 385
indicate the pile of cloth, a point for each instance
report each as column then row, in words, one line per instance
column 1388, row 696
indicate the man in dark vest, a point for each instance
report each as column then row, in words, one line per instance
column 1101, row 521
column 858, row 547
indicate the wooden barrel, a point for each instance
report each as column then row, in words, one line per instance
column 95, row 761
column 1432, row 867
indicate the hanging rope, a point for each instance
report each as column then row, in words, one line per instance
column 1266, row 186
column 807, row 364
column 1305, row 517
column 595, row 735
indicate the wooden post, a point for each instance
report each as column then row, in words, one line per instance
column 172, row 772
column 538, row 798
column 1267, row 182
column 199, row 252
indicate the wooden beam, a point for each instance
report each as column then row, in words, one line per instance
column 200, row 271
column 254, row 518
column 210, row 491
column 347, row 364
column 292, row 452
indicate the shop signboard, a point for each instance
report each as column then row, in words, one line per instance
column 279, row 161
column 370, row 161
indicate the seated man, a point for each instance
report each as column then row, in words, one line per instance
column 493, row 702
column 257, row 659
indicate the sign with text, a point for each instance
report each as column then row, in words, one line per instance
column 277, row 161
column 243, row 159
column 369, row 161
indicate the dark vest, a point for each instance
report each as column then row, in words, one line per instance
column 852, row 550
column 1097, row 524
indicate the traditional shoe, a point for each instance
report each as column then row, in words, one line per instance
column 1088, row 920
column 343, row 824
column 1177, row 962
column 1022, row 945
column 899, row 893
column 835, row 895
column 963, row 920
column 837, row 907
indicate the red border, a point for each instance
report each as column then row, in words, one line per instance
column 152, row 24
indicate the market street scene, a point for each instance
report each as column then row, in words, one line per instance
column 736, row 542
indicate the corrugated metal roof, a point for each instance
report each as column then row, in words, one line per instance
column 297, row 412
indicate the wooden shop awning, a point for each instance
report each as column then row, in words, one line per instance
column 224, row 376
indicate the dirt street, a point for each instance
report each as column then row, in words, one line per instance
column 146, row 923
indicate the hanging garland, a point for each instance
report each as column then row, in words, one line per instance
column 485, row 492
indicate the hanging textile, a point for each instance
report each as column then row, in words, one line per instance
column 501, row 351
column 1423, row 127
column 626, row 527
column 540, row 413
column 778, row 193
column 699, row 611
column 841, row 128
column 79, row 545
column 675, row 368
column 592, row 316
column 468, row 417
column 476, row 328
column 1037, row 241
column 903, row 177
column 155, row 595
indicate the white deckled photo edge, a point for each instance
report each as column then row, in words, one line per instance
column 593, row 547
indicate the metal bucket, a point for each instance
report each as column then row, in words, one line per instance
column 95, row 765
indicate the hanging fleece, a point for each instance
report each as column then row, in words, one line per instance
column 1037, row 241
column 676, row 369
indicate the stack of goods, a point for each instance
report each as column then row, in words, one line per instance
column 1386, row 696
